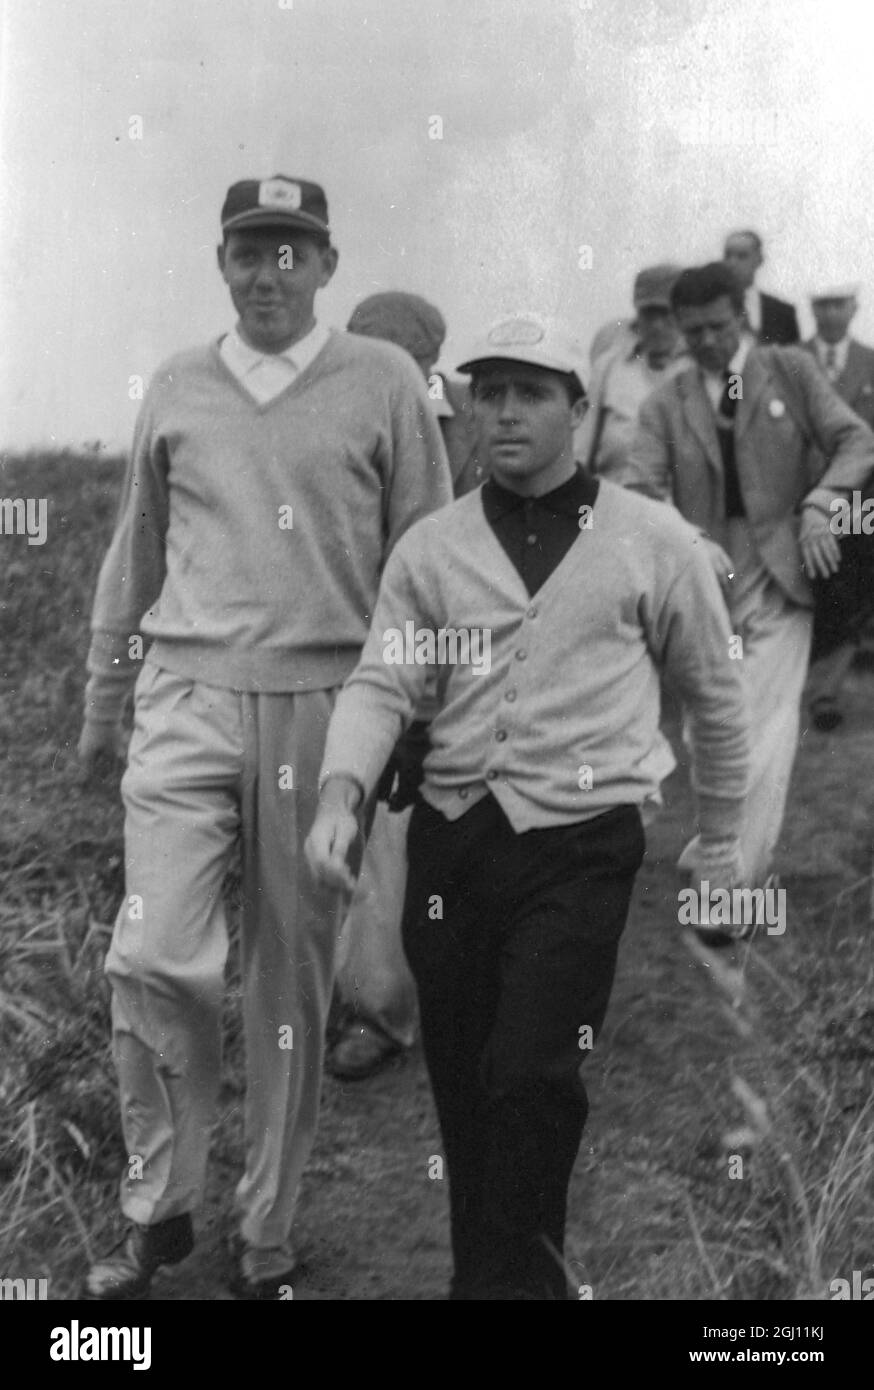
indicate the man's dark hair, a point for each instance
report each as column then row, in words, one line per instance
column 574, row 390
column 702, row 284
column 750, row 235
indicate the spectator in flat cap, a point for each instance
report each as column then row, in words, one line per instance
column 419, row 327
column 624, row 376
column 273, row 471
column 843, row 604
column 765, row 317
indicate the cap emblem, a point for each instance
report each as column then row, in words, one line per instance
column 279, row 193
column 516, row 333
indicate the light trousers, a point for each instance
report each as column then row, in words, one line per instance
column 773, row 657
column 207, row 766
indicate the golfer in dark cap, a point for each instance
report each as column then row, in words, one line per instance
column 273, row 471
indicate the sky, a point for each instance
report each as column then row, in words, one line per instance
column 640, row 129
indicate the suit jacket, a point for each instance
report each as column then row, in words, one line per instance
column 779, row 324
column 855, row 385
column 789, row 421
column 460, row 437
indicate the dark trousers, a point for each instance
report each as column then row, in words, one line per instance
column 844, row 603
column 512, row 940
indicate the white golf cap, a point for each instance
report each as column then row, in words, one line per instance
column 836, row 289
column 531, row 338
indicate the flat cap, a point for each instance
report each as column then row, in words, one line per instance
column 402, row 318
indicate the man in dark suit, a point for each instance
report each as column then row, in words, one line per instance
column 849, row 366
column 727, row 442
column 768, row 319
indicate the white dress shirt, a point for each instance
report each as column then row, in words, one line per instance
column 714, row 382
column 266, row 374
column 839, row 361
column 753, row 309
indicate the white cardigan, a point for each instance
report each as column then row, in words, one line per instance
column 564, row 723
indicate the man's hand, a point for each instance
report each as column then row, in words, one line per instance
column 334, row 832
column 723, row 565
column 820, row 549
column 101, row 748
column 719, row 863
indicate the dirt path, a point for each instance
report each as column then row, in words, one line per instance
column 374, row 1226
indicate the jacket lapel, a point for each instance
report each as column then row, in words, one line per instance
column 756, row 378
column 699, row 415
column 852, row 378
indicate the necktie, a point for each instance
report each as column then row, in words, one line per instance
column 734, row 503
column 831, row 363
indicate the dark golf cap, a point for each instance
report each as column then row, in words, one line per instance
column 280, row 201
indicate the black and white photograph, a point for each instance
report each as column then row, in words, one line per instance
column 437, row 663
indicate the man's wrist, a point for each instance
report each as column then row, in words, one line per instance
column 341, row 792
column 819, row 500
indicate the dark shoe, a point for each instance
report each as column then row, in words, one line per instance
column 241, row 1285
column 826, row 714
column 361, row 1051
column 249, row 1287
column 277, row 1287
column 127, row 1274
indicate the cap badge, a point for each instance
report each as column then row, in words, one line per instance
column 516, row 333
column 279, row 193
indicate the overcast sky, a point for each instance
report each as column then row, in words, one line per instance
column 641, row 128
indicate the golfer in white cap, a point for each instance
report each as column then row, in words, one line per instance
column 548, row 601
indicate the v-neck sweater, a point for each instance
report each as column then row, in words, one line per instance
column 563, row 723
column 251, row 537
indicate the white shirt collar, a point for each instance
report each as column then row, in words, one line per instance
column 840, row 350
column 753, row 307
column 299, row 355
column 714, row 382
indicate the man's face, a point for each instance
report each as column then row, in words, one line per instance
column 525, row 420
column 657, row 331
column 833, row 318
column 742, row 256
column 273, row 274
column 712, row 332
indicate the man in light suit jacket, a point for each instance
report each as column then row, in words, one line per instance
column 767, row 318
column 849, row 366
column 727, row 441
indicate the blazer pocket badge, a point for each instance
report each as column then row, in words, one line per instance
column 776, row 410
